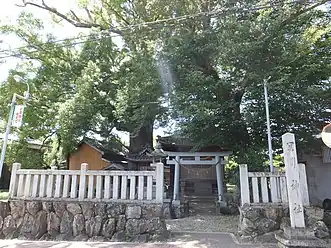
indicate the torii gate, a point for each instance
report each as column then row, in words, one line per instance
column 217, row 158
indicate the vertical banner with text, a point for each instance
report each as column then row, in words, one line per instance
column 18, row 116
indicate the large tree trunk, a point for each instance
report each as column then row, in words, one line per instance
column 142, row 138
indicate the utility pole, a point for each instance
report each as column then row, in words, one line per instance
column 266, row 100
column 9, row 123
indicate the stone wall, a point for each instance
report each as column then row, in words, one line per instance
column 262, row 220
column 81, row 221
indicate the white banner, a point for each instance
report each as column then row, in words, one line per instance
column 18, row 116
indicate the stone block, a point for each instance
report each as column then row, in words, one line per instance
column 134, row 227
column 66, row 223
column 321, row 230
column 121, row 221
column 327, row 218
column 17, row 209
column 9, row 226
column 33, row 207
column 252, row 213
column 119, row 237
column 152, row 211
column 133, row 212
column 87, row 209
column 53, row 224
column 298, row 233
column 59, row 208
column 4, row 209
column 265, row 225
column 34, row 227
column 78, row 225
column 74, row 208
column 285, row 242
column 47, row 206
column 116, row 209
column 108, row 228
column 93, row 226
column 100, row 209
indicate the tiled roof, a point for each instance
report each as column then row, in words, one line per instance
column 144, row 155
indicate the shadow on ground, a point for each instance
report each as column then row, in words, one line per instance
column 178, row 240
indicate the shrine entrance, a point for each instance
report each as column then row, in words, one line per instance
column 197, row 180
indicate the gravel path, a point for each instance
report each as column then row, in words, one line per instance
column 205, row 223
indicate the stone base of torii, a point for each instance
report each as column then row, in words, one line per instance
column 298, row 235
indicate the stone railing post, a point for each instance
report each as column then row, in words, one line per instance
column 244, row 185
column 159, row 181
column 13, row 179
column 304, row 185
column 82, row 181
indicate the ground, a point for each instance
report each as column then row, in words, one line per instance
column 203, row 218
column 196, row 240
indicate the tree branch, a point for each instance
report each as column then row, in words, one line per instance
column 302, row 11
column 76, row 22
column 75, row 16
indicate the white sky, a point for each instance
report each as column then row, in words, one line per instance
column 9, row 13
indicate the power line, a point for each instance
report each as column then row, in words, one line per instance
column 147, row 25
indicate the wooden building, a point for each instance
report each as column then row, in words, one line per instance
column 96, row 156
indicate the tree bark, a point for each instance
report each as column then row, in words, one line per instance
column 142, row 138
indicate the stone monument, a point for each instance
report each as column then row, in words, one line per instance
column 297, row 235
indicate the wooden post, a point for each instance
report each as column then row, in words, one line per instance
column 176, row 179
column 13, row 180
column 219, row 176
column 82, row 181
column 159, row 181
column 244, row 185
column 304, row 184
column 293, row 181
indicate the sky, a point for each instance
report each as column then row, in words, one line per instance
column 9, row 13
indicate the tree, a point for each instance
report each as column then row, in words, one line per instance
column 220, row 65
column 211, row 57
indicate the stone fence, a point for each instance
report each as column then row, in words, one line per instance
column 88, row 185
column 269, row 187
column 260, row 222
column 81, row 221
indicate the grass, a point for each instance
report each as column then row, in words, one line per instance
column 4, row 195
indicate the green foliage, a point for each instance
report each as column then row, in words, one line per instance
column 220, row 66
column 211, row 66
